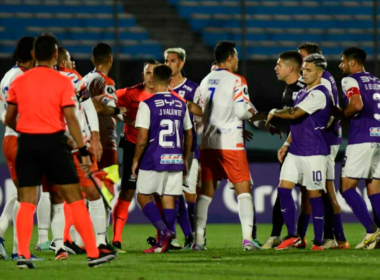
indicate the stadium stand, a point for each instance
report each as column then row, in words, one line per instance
column 78, row 25
column 274, row 26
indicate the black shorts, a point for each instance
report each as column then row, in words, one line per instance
column 44, row 154
column 128, row 181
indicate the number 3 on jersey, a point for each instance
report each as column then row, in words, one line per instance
column 172, row 127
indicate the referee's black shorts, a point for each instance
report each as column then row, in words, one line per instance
column 44, row 154
column 128, row 181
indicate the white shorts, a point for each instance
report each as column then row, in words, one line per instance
column 362, row 161
column 162, row 183
column 309, row 171
column 331, row 162
column 191, row 181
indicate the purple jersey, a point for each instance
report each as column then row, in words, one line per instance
column 308, row 132
column 334, row 132
column 187, row 91
column 365, row 125
column 166, row 116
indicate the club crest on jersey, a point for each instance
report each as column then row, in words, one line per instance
column 374, row 131
column 171, row 159
column 110, row 90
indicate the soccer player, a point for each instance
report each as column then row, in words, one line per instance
column 306, row 161
column 130, row 98
column 175, row 58
column 88, row 118
column 24, row 62
column 362, row 160
column 164, row 133
column 224, row 96
column 103, row 87
column 42, row 98
column 288, row 70
column 334, row 237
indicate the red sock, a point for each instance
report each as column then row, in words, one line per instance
column 119, row 218
column 24, row 227
column 83, row 225
column 68, row 222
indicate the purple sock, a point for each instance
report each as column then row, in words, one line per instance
column 303, row 224
column 183, row 217
column 318, row 213
column 338, row 228
column 358, row 206
column 375, row 202
column 170, row 215
column 153, row 214
column 191, row 212
column 288, row 209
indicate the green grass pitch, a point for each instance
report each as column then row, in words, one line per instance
column 224, row 259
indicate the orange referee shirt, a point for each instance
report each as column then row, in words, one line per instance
column 40, row 95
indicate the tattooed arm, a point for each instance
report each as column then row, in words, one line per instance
column 286, row 114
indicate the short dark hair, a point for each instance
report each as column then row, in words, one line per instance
column 22, row 52
column 292, row 56
column 357, row 54
column 310, row 48
column 151, row 61
column 162, row 74
column 318, row 59
column 101, row 53
column 44, row 47
column 223, row 50
column 62, row 54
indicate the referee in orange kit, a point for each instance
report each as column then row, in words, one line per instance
column 39, row 102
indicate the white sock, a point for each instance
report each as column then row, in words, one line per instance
column 200, row 224
column 98, row 217
column 108, row 217
column 245, row 206
column 58, row 226
column 15, row 243
column 6, row 216
column 43, row 217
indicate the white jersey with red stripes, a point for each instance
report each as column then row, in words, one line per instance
column 101, row 85
column 4, row 87
column 218, row 94
column 79, row 85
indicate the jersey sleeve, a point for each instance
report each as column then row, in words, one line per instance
column 143, row 116
column 350, row 87
column 109, row 97
column 68, row 94
column 316, row 100
column 186, row 121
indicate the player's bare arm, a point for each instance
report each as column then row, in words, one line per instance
column 286, row 114
column 75, row 132
column 354, row 106
column 284, row 149
column 194, row 108
column 141, row 141
column 11, row 116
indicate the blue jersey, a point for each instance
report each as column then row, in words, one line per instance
column 309, row 131
column 187, row 90
column 334, row 132
column 365, row 125
column 167, row 118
